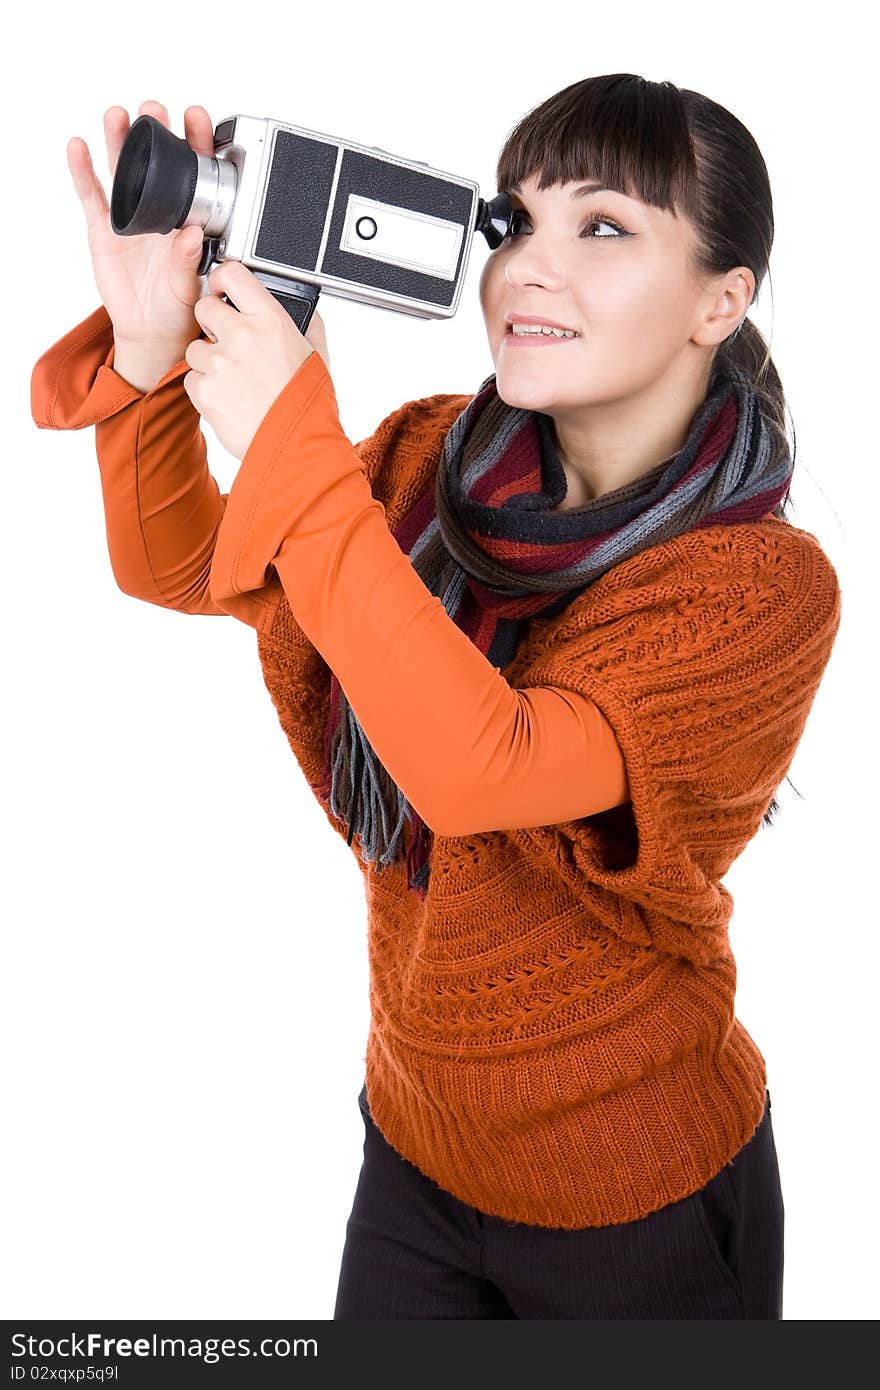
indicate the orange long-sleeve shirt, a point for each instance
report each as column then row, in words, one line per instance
column 468, row 751
column 552, row 1029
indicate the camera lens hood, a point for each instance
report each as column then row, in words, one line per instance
column 155, row 180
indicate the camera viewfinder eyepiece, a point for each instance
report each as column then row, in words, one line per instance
column 493, row 218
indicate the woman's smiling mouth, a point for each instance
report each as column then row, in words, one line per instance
column 512, row 339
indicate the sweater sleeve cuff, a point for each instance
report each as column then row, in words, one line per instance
column 297, row 452
column 74, row 384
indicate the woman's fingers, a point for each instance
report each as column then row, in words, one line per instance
column 316, row 334
column 86, row 181
column 154, row 108
column 116, row 125
column 198, row 130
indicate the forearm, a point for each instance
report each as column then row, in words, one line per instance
column 469, row 752
column 162, row 506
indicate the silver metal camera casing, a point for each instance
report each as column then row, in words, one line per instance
column 352, row 219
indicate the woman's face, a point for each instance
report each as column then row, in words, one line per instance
column 624, row 284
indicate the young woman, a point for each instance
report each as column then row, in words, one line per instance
column 544, row 653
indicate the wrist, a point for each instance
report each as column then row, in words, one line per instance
column 144, row 365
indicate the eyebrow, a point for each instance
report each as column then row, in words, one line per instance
column 581, row 192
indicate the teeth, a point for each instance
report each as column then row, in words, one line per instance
column 522, row 328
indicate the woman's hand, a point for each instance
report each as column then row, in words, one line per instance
column 257, row 348
column 148, row 283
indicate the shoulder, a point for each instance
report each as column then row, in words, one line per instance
column 415, row 424
column 782, row 567
column 714, row 594
column 760, row 557
column 799, row 551
column 769, row 551
column 405, row 447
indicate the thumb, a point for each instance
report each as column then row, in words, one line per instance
column 183, row 264
column 190, row 242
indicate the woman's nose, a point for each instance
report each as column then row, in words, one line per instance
column 524, row 267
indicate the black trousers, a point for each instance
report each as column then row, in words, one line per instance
column 412, row 1250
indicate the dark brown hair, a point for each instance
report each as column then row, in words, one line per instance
column 679, row 151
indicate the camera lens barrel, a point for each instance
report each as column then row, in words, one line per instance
column 161, row 183
column 216, row 182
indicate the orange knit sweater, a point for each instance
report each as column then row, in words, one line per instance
column 553, row 1036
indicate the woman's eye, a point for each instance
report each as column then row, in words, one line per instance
column 594, row 221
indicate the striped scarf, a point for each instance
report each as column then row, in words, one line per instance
column 485, row 539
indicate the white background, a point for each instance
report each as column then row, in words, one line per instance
column 185, row 1001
